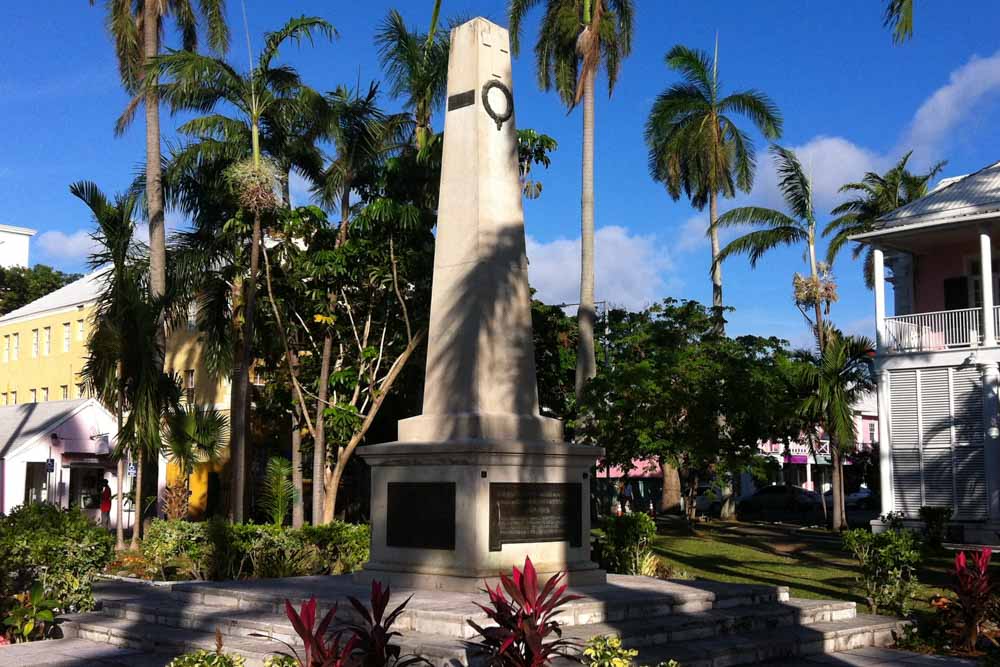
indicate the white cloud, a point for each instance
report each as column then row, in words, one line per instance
column 950, row 105
column 298, row 189
column 59, row 246
column 628, row 268
column 692, row 235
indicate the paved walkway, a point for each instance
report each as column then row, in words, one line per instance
column 875, row 657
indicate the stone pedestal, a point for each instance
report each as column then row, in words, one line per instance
column 480, row 480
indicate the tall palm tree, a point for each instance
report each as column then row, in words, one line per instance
column 898, row 17
column 695, row 145
column 203, row 83
column 136, row 46
column 193, row 435
column 835, row 381
column 123, row 367
column 875, row 195
column 416, row 66
column 575, row 38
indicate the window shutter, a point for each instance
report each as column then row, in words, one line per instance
column 903, row 422
column 906, row 480
column 935, row 408
column 968, row 387
column 938, row 481
column 970, row 483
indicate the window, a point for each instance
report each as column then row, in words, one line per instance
column 192, row 322
column 6, row 349
column 34, row 343
column 48, row 341
column 13, row 398
column 189, row 386
column 45, row 394
column 66, row 336
column 16, row 348
column 64, row 392
column 3, row 397
column 34, row 395
column 79, row 329
column 79, row 390
column 871, row 432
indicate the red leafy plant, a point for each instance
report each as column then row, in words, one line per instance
column 374, row 635
column 973, row 594
column 321, row 649
column 526, row 633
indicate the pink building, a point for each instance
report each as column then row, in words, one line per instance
column 938, row 360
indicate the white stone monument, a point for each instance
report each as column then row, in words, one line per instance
column 479, row 480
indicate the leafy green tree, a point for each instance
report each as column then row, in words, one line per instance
column 898, row 18
column 202, row 83
column 20, row 285
column 695, row 144
column 554, row 336
column 833, row 382
column 193, row 435
column 123, row 367
column 775, row 229
column 416, row 67
column 533, row 148
column 136, row 47
column 875, row 195
column 575, row 38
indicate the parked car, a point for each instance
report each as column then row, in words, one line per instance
column 779, row 502
column 862, row 499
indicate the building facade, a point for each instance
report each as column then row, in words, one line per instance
column 14, row 245
column 43, row 348
column 938, row 358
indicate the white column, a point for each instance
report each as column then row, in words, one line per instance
column 809, row 477
column 991, row 380
column 878, row 262
column 886, row 492
column 986, row 265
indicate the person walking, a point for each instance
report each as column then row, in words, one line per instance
column 105, row 505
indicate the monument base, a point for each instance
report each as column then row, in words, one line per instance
column 447, row 515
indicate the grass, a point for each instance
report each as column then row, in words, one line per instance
column 812, row 566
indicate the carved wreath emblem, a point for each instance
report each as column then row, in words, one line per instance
column 498, row 118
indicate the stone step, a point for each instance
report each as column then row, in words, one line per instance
column 862, row 631
column 445, row 613
column 635, row 631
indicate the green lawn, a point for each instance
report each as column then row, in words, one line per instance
column 811, row 566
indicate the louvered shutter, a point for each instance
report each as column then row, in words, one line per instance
column 906, row 481
column 903, row 424
column 968, row 400
column 938, row 478
column 970, row 483
column 935, row 408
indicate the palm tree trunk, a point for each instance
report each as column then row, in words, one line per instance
column 837, row 473
column 137, row 502
column 319, row 444
column 713, row 233
column 670, row 497
column 241, row 382
column 586, row 364
column 298, row 502
column 154, row 185
column 119, row 514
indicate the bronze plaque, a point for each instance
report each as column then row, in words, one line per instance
column 535, row 513
column 460, row 100
column 421, row 515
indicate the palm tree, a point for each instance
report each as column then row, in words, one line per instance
column 203, row 83
column 136, row 47
column 123, row 367
column 416, row 67
column 835, row 381
column 574, row 38
column 695, row 145
column 898, row 17
column 193, row 435
column 875, row 195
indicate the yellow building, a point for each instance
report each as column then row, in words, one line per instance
column 43, row 347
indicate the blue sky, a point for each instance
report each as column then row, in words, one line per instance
column 851, row 101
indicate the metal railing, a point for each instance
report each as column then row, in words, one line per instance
column 942, row 330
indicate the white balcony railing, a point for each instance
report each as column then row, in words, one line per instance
column 942, row 330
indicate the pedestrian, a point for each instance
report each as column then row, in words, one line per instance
column 105, row 504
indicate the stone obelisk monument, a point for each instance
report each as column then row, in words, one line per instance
column 480, row 479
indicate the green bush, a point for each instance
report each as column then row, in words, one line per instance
column 62, row 549
column 218, row 550
column 935, row 523
column 205, row 658
column 624, row 548
column 888, row 562
column 607, row 651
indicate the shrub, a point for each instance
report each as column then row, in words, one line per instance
column 32, row 616
column 320, row 649
column 373, row 635
column 62, row 549
column 278, row 492
column 887, row 561
column 205, row 658
column 524, row 622
column 625, row 548
column 343, row 547
column 973, row 594
column 607, row 651
column 182, row 547
column 935, row 522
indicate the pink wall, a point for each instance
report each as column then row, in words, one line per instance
column 931, row 270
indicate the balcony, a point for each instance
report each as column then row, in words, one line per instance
column 942, row 330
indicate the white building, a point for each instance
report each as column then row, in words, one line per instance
column 14, row 243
